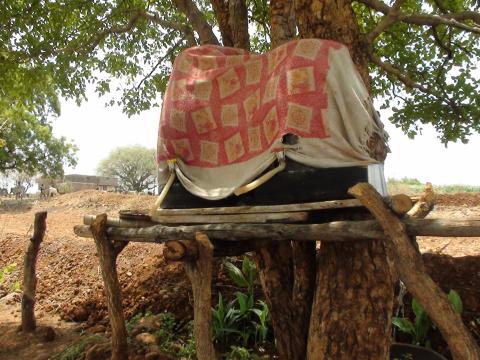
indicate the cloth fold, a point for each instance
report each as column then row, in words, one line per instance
column 226, row 112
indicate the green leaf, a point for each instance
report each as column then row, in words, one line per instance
column 404, row 325
column 236, row 275
column 423, row 325
column 417, row 308
column 456, row 301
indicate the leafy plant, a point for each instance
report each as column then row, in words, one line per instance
column 243, row 318
column 262, row 327
column 238, row 353
column 7, row 270
column 224, row 320
column 76, row 351
column 244, row 277
column 166, row 334
column 422, row 323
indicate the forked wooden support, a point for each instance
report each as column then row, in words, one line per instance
column 411, row 270
column 199, row 272
column 29, row 276
column 107, row 256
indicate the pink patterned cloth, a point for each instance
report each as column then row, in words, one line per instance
column 226, row 107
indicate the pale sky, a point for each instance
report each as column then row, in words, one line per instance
column 97, row 129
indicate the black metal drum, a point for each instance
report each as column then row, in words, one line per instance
column 296, row 184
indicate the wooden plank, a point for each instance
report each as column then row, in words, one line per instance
column 323, row 205
column 117, row 222
column 231, row 218
column 333, row 231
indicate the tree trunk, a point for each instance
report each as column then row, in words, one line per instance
column 351, row 311
column 287, row 271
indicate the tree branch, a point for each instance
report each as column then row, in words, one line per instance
column 185, row 29
column 220, row 8
column 409, row 83
column 238, row 22
column 451, row 19
column 199, row 24
column 390, row 18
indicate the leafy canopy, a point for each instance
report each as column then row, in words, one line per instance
column 423, row 54
column 134, row 166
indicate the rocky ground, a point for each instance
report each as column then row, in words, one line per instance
column 69, row 292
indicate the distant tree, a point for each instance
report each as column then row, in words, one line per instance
column 134, row 166
column 21, row 182
column 27, row 143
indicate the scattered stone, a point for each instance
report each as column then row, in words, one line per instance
column 79, row 313
column 152, row 322
column 146, row 338
column 129, row 273
column 45, row 333
column 99, row 352
column 155, row 355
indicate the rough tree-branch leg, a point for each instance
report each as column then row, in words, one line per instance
column 107, row 257
column 29, row 276
column 412, row 272
column 199, row 272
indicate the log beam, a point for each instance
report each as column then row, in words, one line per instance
column 199, row 272
column 108, row 251
column 29, row 272
column 334, row 231
column 412, row 272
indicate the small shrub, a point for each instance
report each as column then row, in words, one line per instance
column 243, row 319
column 422, row 323
column 77, row 350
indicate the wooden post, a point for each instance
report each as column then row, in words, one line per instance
column 29, row 276
column 107, row 257
column 199, row 272
column 412, row 272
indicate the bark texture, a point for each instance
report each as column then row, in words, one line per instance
column 412, row 272
column 353, row 300
column 232, row 18
column 107, row 256
column 238, row 21
column 220, row 8
column 282, row 21
column 287, row 271
column 199, row 23
column 351, row 310
column 333, row 20
column 29, row 272
column 200, row 274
